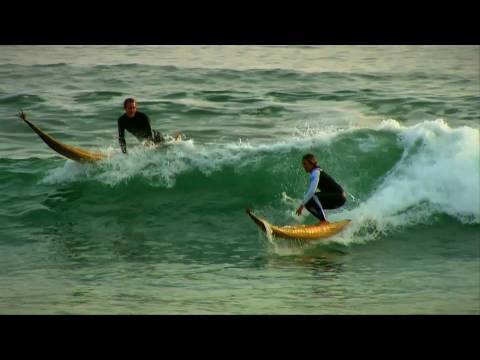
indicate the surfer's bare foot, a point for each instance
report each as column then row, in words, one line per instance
column 323, row 222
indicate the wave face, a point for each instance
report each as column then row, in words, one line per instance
column 397, row 176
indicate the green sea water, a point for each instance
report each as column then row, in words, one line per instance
column 165, row 232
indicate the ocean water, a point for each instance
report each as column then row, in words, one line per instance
column 165, row 232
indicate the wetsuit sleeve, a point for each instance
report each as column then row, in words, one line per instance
column 314, row 179
column 121, row 137
column 149, row 127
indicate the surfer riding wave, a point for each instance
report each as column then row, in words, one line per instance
column 322, row 193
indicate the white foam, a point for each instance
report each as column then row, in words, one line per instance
column 162, row 167
column 438, row 173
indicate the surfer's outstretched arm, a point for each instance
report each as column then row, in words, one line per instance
column 314, row 179
column 121, row 137
column 311, row 200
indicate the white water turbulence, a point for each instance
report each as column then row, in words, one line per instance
column 162, row 166
column 438, row 173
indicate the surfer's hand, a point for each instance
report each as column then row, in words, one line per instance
column 299, row 210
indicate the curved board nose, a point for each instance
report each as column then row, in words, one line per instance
column 70, row 152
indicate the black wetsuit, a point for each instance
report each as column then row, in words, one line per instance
column 138, row 126
column 328, row 194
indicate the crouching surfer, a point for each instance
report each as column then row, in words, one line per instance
column 322, row 193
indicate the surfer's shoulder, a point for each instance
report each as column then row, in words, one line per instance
column 314, row 174
column 122, row 118
column 140, row 114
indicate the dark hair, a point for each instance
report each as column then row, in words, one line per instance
column 310, row 158
column 128, row 101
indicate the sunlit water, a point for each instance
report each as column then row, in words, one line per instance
column 165, row 232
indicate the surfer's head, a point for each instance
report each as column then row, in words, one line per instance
column 130, row 106
column 309, row 162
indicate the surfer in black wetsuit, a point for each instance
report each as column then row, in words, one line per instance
column 138, row 124
column 323, row 192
